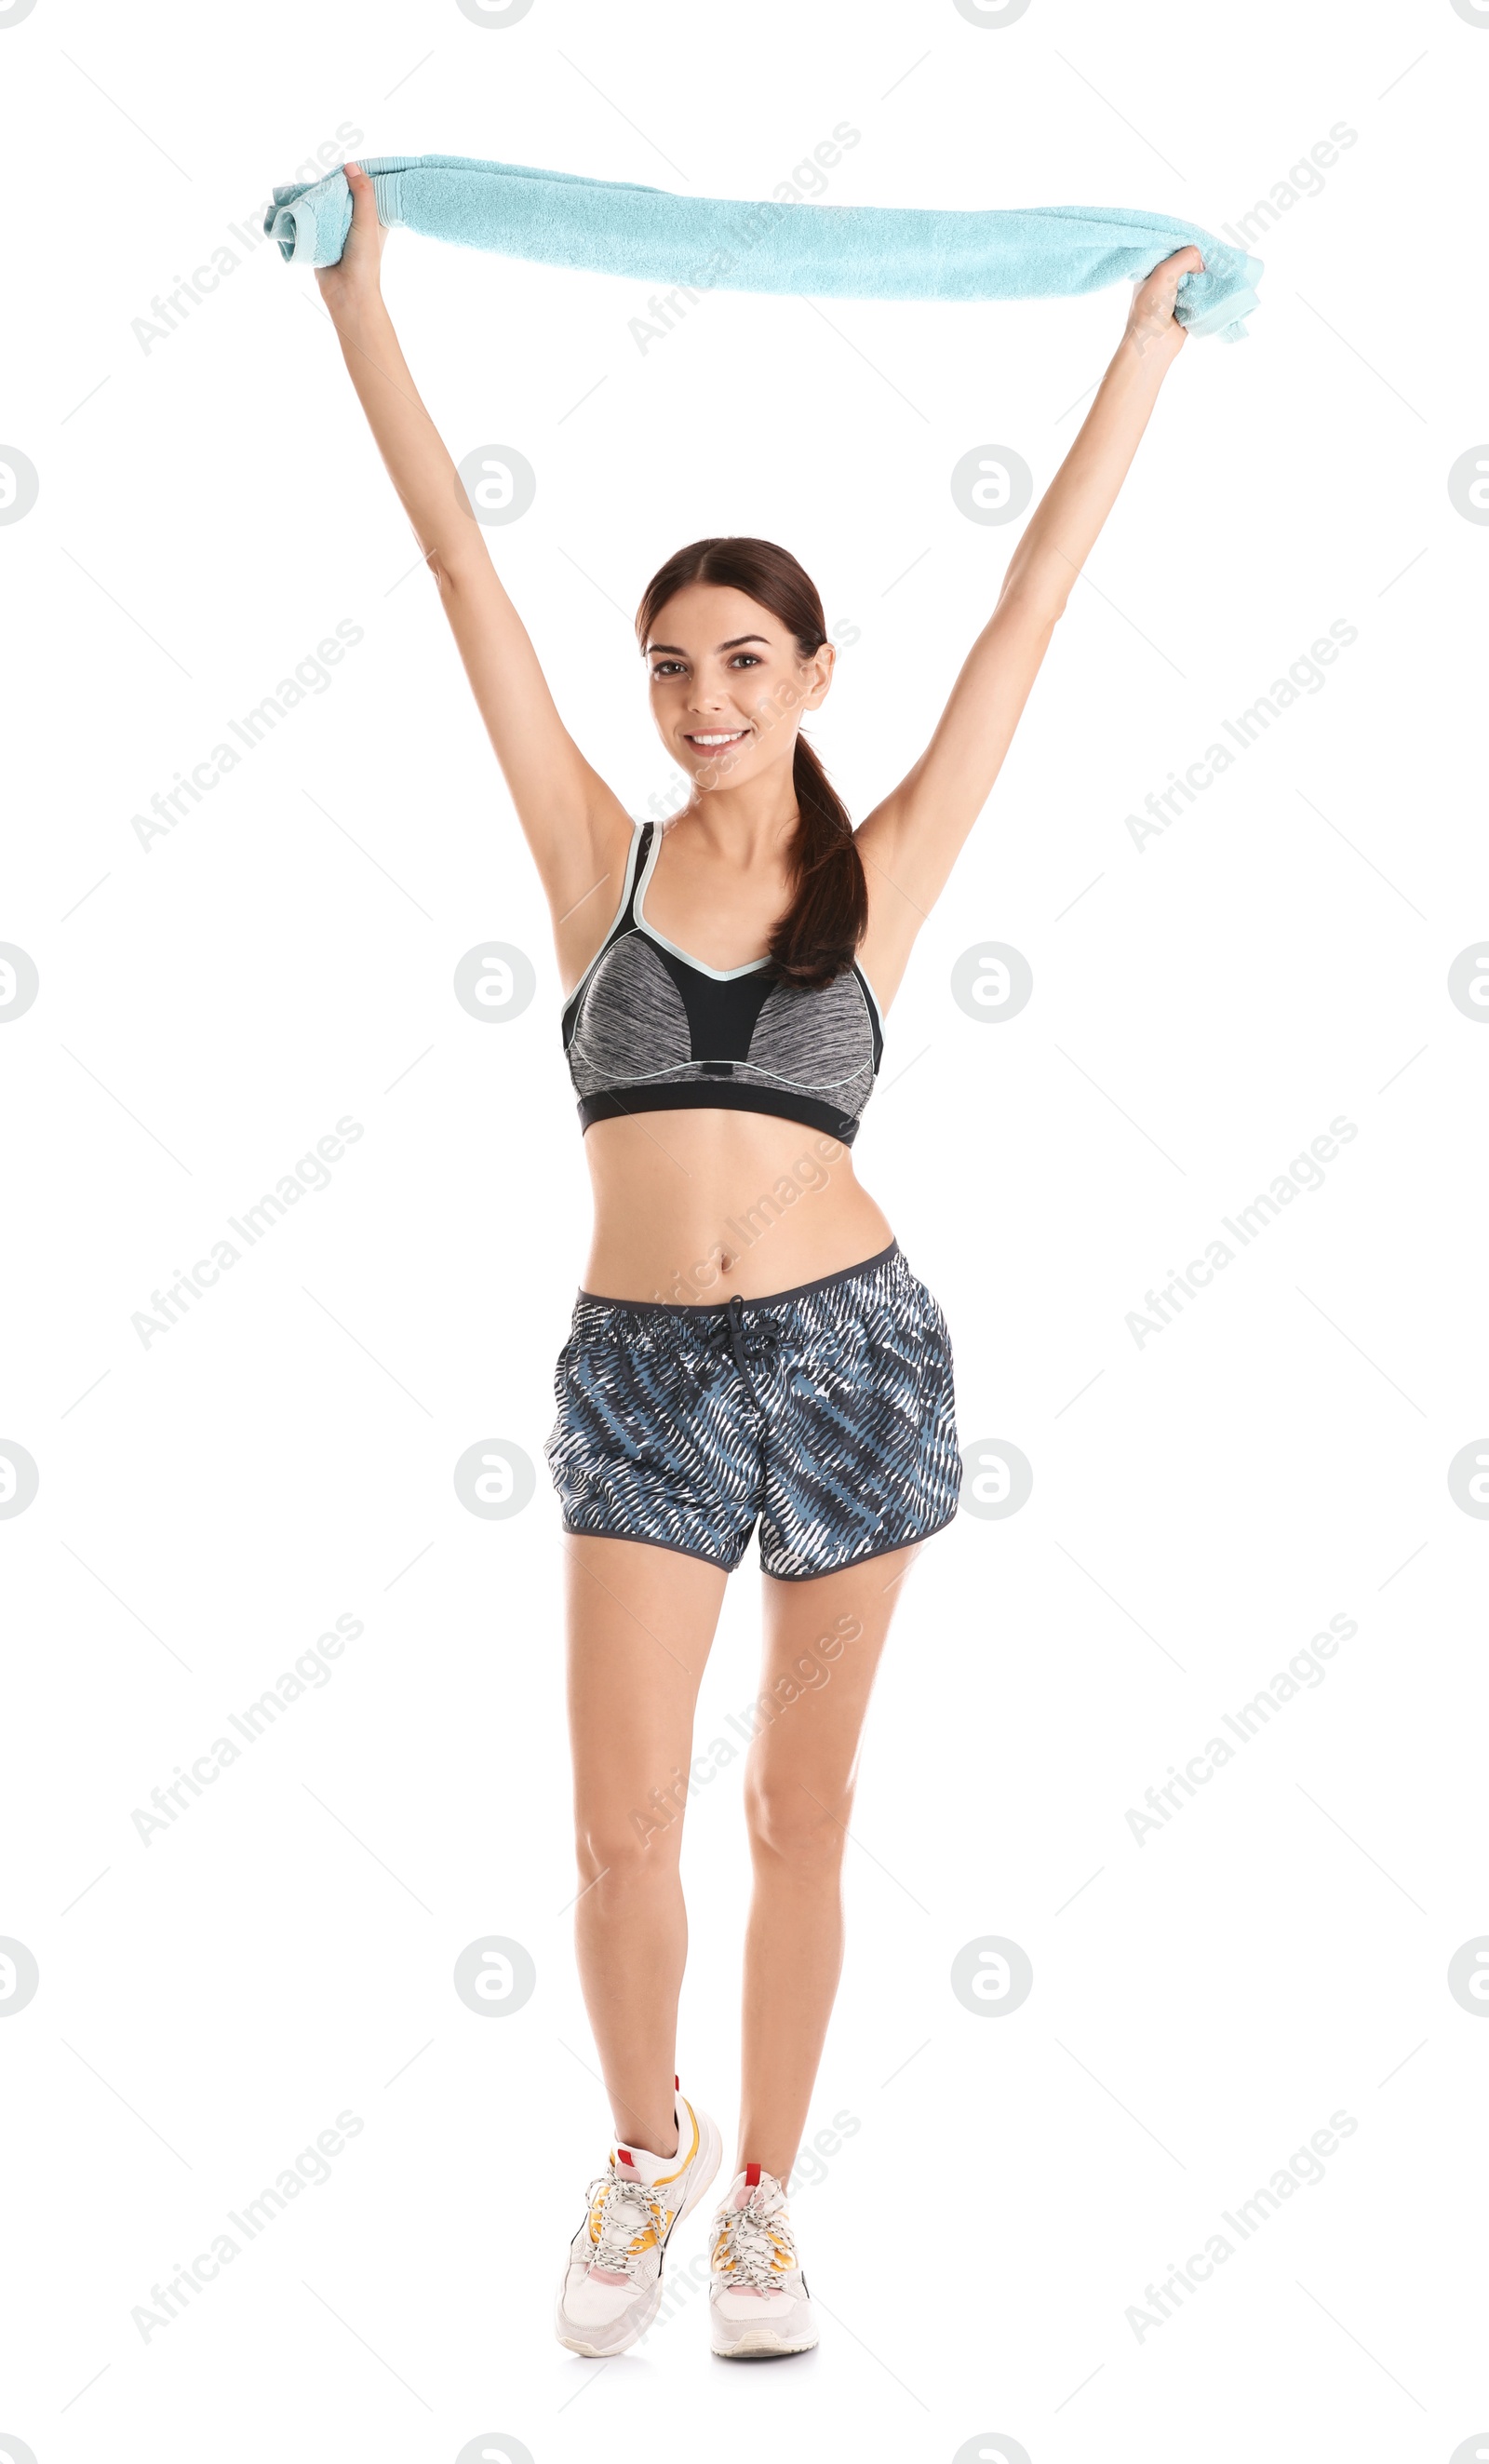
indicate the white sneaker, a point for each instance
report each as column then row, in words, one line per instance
column 758, row 2301
column 612, row 2281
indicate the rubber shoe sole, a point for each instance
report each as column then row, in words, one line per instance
column 760, row 2345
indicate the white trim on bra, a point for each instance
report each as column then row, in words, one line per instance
column 720, row 974
column 666, row 1076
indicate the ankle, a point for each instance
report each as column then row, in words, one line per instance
column 775, row 2161
column 653, row 2143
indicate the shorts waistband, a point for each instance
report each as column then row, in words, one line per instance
column 695, row 1309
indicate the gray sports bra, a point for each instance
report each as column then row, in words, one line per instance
column 649, row 1029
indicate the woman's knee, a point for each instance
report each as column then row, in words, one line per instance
column 790, row 1820
column 632, row 1843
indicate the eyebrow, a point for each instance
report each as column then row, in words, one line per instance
column 738, row 642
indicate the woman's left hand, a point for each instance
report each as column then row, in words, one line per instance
column 1151, row 319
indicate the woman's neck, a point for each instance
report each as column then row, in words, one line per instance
column 746, row 826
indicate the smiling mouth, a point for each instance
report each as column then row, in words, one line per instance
column 718, row 741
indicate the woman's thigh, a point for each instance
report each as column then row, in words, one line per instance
column 641, row 1623
column 823, row 1644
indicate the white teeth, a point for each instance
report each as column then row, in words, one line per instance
column 717, row 739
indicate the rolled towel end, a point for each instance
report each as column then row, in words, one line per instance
column 1227, row 319
column 1218, row 300
column 309, row 225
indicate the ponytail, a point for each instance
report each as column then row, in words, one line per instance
column 828, row 918
column 815, row 940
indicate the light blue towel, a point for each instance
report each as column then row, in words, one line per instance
column 826, row 252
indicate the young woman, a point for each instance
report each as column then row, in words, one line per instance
column 726, row 980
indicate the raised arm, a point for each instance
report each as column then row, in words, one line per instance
column 577, row 829
column 910, row 842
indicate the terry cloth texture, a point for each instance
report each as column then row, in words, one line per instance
column 824, row 252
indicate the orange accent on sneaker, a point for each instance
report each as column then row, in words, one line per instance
column 664, row 2178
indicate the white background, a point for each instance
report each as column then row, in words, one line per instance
column 209, row 508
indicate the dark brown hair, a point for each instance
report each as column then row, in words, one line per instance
column 814, row 940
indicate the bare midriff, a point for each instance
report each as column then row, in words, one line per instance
column 694, row 1206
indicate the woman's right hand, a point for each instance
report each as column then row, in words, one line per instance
column 355, row 281
column 1151, row 318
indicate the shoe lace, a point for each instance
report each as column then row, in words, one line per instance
column 753, row 2243
column 621, row 2213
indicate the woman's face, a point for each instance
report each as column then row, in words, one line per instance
column 728, row 684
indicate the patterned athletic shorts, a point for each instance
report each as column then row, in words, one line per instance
column 828, row 1412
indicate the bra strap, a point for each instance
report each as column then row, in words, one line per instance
column 626, row 918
